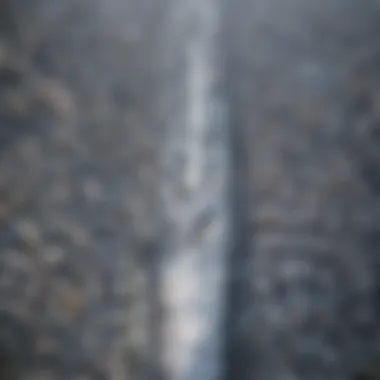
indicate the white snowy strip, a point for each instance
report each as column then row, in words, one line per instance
column 194, row 194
